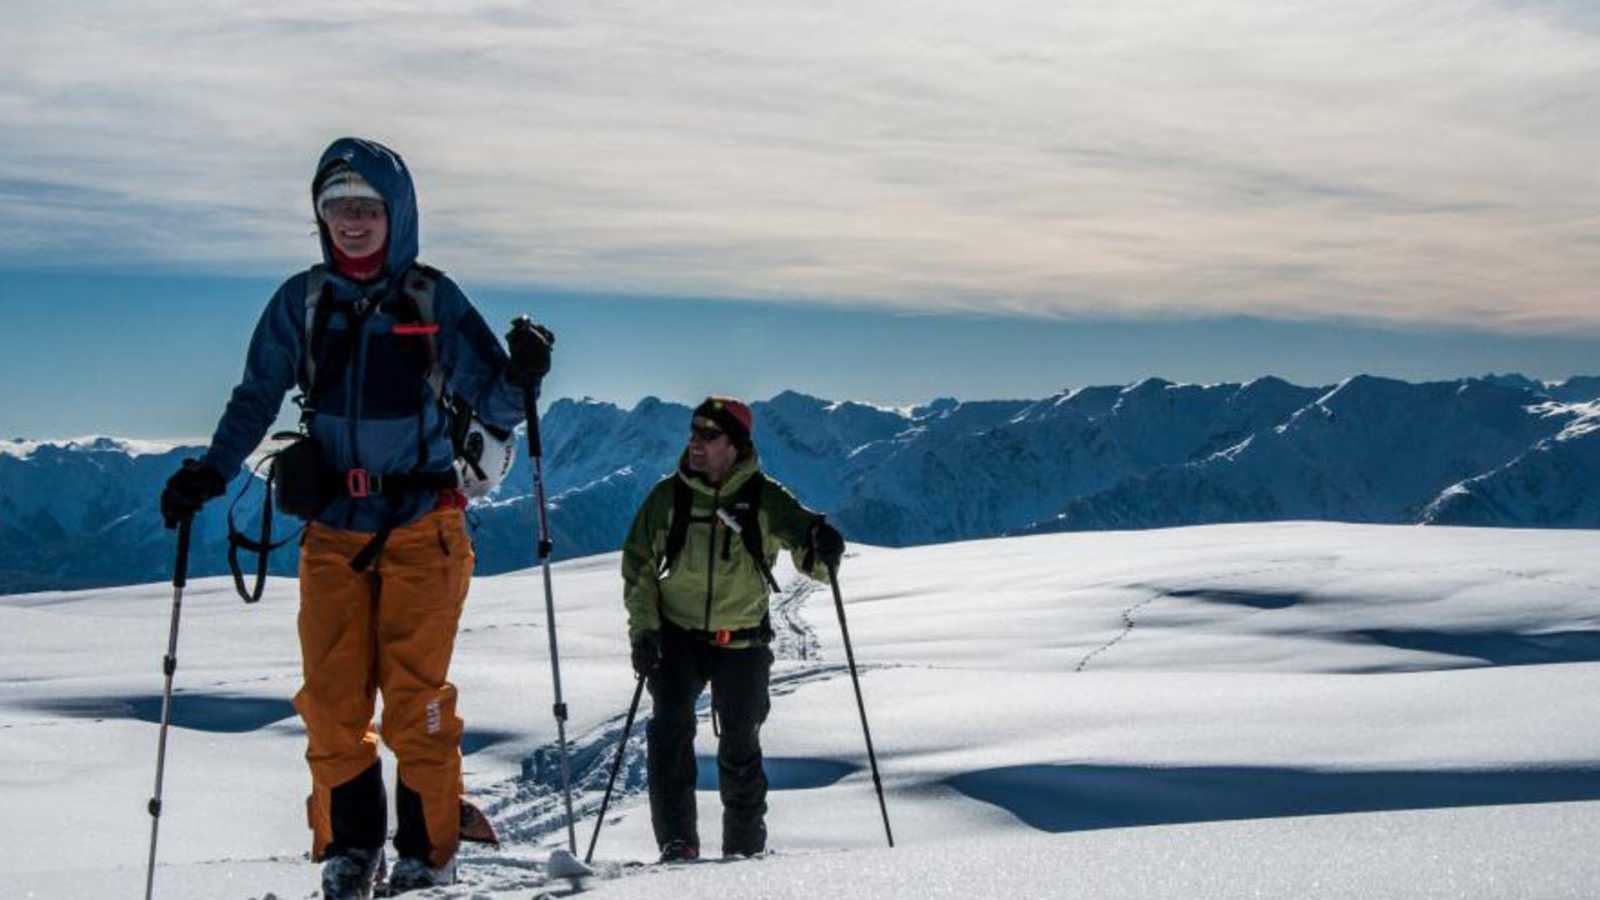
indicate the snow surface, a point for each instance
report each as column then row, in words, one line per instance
column 1266, row 710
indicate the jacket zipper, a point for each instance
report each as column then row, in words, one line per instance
column 711, row 554
column 353, row 384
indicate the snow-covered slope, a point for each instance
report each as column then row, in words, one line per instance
column 1304, row 710
column 1151, row 454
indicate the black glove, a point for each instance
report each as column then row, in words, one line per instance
column 188, row 489
column 828, row 544
column 647, row 654
column 530, row 352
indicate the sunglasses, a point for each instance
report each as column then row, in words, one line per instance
column 353, row 208
column 705, row 435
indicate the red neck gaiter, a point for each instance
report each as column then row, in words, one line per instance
column 358, row 268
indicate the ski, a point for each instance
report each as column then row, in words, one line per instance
column 476, row 827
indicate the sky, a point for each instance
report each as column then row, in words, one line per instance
column 872, row 200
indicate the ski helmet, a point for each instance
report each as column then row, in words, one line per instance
column 484, row 457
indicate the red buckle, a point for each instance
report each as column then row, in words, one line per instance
column 358, row 482
column 722, row 637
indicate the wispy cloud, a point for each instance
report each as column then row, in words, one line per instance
column 1422, row 162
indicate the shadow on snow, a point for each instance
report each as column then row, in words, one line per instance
column 216, row 713
column 784, row 773
column 1239, row 597
column 1497, row 648
column 1058, row 798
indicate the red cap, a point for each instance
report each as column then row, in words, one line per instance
column 734, row 417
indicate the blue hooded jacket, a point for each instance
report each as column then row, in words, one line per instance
column 378, row 414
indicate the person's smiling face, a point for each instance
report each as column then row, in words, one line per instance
column 358, row 226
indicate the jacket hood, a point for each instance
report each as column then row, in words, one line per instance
column 387, row 173
column 738, row 475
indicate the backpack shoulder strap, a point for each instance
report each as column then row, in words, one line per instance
column 421, row 284
column 678, row 524
column 746, row 507
column 746, row 510
column 316, row 320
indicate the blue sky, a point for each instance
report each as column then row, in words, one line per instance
column 879, row 201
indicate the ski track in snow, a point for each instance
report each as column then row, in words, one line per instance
column 1128, row 624
column 794, row 638
column 1157, row 593
column 529, row 810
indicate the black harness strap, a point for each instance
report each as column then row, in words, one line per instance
column 395, row 488
column 726, row 636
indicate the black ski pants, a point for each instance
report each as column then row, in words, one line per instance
column 739, row 680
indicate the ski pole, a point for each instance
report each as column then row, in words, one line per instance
column 169, row 665
column 622, row 750
column 535, row 453
column 850, row 656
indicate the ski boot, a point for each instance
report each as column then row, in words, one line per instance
column 679, row 851
column 412, row 874
column 349, row 875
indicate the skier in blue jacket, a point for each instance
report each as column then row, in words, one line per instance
column 385, row 565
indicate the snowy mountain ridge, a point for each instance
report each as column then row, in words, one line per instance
column 22, row 449
column 1497, row 450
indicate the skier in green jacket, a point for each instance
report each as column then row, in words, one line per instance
column 697, row 569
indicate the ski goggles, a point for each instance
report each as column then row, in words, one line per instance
column 352, row 208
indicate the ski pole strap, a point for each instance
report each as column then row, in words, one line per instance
column 237, row 540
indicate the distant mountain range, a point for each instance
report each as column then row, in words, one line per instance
column 1499, row 450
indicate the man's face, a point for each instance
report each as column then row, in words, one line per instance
column 357, row 225
column 711, row 451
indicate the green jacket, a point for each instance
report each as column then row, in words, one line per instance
column 707, row 589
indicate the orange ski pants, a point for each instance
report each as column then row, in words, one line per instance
column 389, row 630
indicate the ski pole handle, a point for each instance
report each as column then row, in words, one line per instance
column 180, row 569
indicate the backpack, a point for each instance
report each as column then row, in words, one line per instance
column 481, row 453
column 742, row 515
column 297, row 476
